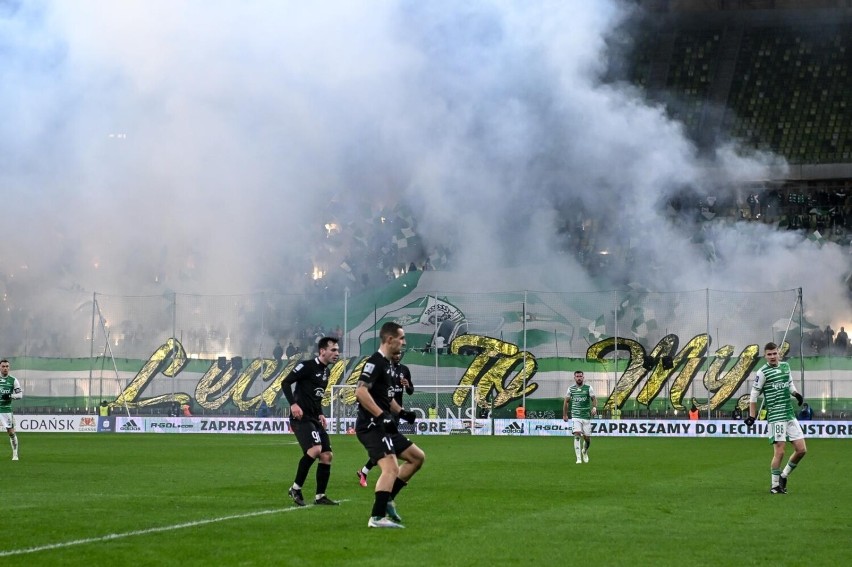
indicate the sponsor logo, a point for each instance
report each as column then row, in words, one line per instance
column 47, row 424
column 169, row 425
column 431, row 426
column 473, row 424
column 266, row 425
column 130, row 426
column 514, row 428
column 88, row 424
column 460, row 432
column 557, row 427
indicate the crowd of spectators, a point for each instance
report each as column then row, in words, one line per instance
column 827, row 342
column 819, row 211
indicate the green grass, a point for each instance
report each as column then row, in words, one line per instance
column 477, row 501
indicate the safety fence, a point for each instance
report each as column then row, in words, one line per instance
column 646, row 354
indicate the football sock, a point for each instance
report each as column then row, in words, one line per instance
column 323, row 474
column 380, row 505
column 577, row 446
column 775, row 474
column 398, row 485
column 788, row 469
column 13, row 439
column 588, row 442
column 302, row 472
column 367, row 466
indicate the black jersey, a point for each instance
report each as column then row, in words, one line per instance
column 311, row 379
column 401, row 371
column 379, row 376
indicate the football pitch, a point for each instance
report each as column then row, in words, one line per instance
column 86, row 499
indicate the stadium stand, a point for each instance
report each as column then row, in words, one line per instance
column 693, row 68
column 791, row 91
column 775, row 79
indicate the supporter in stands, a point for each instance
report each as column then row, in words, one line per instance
column 828, row 337
column 841, row 342
column 816, row 340
column 753, row 205
column 693, row 412
column 807, row 413
column 291, row 349
column 278, row 351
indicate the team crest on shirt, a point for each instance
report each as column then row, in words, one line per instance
column 319, row 392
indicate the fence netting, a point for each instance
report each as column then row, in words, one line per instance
column 642, row 351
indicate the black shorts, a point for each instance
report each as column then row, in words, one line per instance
column 400, row 443
column 379, row 446
column 309, row 433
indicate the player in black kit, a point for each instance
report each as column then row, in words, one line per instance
column 307, row 420
column 376, row 427
column 402, row 383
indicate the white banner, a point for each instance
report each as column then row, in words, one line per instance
column 201, row 425
column 510, row 427
column 56, row 423
column 665, row 428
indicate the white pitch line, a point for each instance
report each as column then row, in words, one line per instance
column 111, row 537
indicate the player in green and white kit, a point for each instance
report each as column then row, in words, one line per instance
column 774, row 382
column 9, row 390
column 580, row 405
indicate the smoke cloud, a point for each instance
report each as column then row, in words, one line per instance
column 200, row 147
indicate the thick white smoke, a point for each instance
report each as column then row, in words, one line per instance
column 200, row 146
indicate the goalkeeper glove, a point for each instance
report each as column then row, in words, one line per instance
column 388, row 423
column 408, row 416
column 8, row 397
column 799, row 398
column 749, row 421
